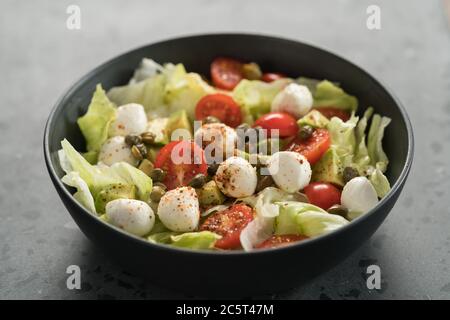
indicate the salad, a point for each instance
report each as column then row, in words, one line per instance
column 241, row 160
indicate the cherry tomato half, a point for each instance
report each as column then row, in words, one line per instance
column 179, row 168
column 281, row 240
column 284, row 122
column 312, row 148
column 272, row 76
column 229, row 224
column 331, row 112
column 221, row 106
column 226, row 73
column 322, row 194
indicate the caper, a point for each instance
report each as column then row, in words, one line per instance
column 349, row 173
column 198, row 181
column 338, row 210
column 132, row 139
column 210, row 119
column 305, row 132
column 137, row 152
column 148, row 137
column 212, row 169
column 160, row 184
column 157, row 193
column 158, row 175
column 146, row 166
column 264, row 182
column 251, row 71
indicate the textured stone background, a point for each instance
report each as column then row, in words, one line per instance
column 40, row 58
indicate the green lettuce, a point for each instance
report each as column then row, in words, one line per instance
column 379, row 182
column 191, row 240
column 255, row 97
column 362, row 158
column 95, row 123
column 82, row 195
column 328, row 94
column 305, row 219
column 97, row 178
column 376, row 153
column 343, row 138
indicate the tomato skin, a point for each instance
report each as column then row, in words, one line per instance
column 226, row 73
column 276, row 241
column 229, row 224
column 331, row 112
column 312, row 148
column 221, row 106
column 272, row 76
column 322, row 194
column 284, row 122
column 180, row 174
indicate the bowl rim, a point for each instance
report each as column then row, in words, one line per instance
column 308, row 242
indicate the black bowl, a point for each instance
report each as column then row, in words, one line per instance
column 232, row 273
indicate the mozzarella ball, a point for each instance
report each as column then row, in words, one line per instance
column 236, row 177
column 116, row 150
column 217, row 139
column 290, row 170
column 133, row 216
column 359, row 195
column 130, row 119
column 294, row 99
column 179, row 209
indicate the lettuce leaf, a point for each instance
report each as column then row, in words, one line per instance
column 94, row 125
column 255, row 97
column 82, row 195
column 191, row 240
column 99, row 177
column 305, row 219
column 328, row 94
column 379, row 182
column 362, row 158
column 343, row 138
column 148, row 92
column 378, row 158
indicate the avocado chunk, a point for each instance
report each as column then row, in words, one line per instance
column 179, row 120
column 314, row 119
column 328, row 169
column 210, row 194
column 113, row 192
column 158, row 128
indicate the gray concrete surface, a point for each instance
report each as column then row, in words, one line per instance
column 40, row 58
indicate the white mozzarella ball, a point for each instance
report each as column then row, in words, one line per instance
column 294, row 99
column 130, row 119
column 116, row 150
column 179, row 209
column 236, row 177
column 217, row 139
column 290, row 170
column 359, row 195
column 133, row 216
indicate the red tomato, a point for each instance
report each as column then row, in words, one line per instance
column 179, row 167
column 272, row 76
column 331, row 112
column 284, row 122
column 229, row 224
column 281, row 240
column 220, row 106
column 312, row 148
column 322, row 194
column 226, row 73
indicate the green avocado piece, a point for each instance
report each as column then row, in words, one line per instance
column 113, row 192
column 158, row 127
column 328, row 169
column 314, row 119
column 179, row 120
column 210, row 194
